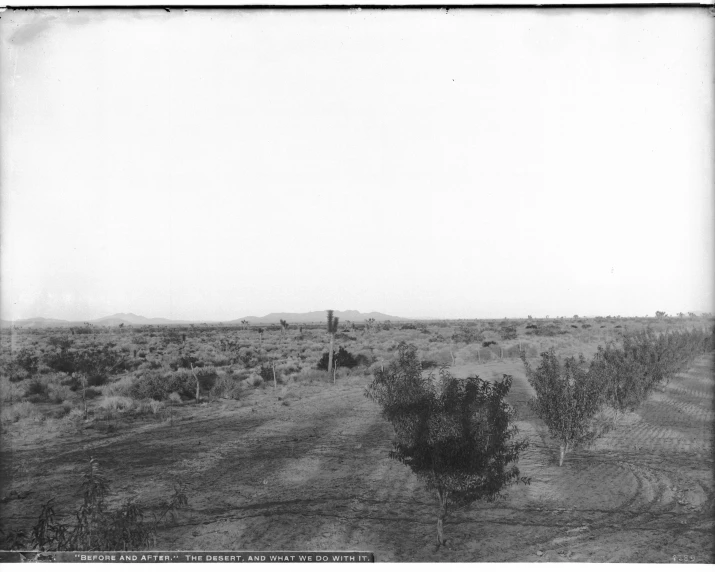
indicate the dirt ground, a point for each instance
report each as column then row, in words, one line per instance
column 311, row 471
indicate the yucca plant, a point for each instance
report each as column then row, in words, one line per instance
column 332, row 330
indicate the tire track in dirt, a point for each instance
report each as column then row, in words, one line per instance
column 635, row 471
column 316, row 475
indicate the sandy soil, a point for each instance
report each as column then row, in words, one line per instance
column 312, row 472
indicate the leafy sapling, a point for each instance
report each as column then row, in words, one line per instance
column 567, row 398
column 455, row 434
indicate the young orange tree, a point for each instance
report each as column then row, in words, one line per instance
column 455, row 434
column 567, row 398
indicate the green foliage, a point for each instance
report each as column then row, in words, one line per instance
column 566, row 399
column 207, row 377
column 629, row 374
column 455, row 434
column 570, row 394
column 466, row 335
column 343, row 358
column 508, row 333
column 155, row 385
column 27, row 360
column 94, row 526
column 266, row 373
column 96, row 361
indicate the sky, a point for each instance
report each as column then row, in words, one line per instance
column 209, row 165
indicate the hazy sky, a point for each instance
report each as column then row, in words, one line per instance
column 479, row 163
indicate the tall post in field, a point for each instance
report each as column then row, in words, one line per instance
column 332, row 330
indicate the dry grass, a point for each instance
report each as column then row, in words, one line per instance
column 116, row 403
column 24, row 410
column 10, row 392
column 120, row 387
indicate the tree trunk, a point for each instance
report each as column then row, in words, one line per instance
column 563, row 449
column 441, row 518
column 330, row 355
column 273, row 365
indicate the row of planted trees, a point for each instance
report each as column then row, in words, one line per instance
column 570, row 393
column 458, row 436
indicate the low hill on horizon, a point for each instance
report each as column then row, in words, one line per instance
column 134, row 319
column 319, row 316
column 129, row 318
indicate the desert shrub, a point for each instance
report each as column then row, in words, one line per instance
column 439, row 356
column 238, row 376
column 94, row 526
column 61, row 360
column 467, row 335
column 18, row 411
column 185, row 362
column 10, row 391
column 96, row 361
column 228, row 387
column 455, row 434
column 116, row 403
column 154, row 385
column 248, row 357
column 27, row 360
column 155, row 406
column 508, row 333
column 306, row 374
column 59, row 393
column 36, row 388
column 91, row 393
column 207, row 377
column 266, row 372
column 567, row 398
column 61, row 342
column 342, row 372
column 344, row 358
column 345, row 337
column 551, row 330
column 119, row 387
column 152, row 406
column 287, row 369
column 97, row 378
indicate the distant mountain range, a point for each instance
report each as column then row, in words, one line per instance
column 134, row 319
column 319, row 316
